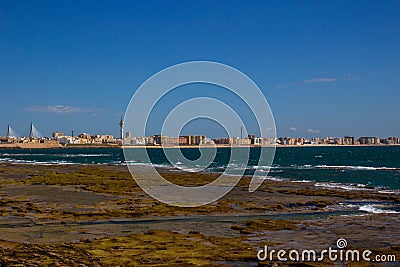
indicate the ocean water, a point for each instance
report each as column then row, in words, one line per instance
column 349, row 168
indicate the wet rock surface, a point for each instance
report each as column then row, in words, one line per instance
column 91, row 215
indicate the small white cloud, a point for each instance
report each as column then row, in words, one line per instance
column 313, row 131
column 271, row 128
column 280, row 86
column 60, row 109
column 319, row 80
column 293, row 129
column 350, row 76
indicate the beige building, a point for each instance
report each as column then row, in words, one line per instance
column 103, row 139
column 57, row 134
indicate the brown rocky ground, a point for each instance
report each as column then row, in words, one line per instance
column 95, row 215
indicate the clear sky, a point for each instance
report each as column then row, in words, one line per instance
column 327, row 68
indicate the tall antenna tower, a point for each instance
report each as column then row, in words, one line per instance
column 121, row 129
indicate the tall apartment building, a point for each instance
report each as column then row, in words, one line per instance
column 348, row 140
column 369, row 140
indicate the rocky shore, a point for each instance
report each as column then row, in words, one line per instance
column 95, row 215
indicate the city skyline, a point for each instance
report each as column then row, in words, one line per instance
column 194, row 139
column 10, row 131
column 327, row 69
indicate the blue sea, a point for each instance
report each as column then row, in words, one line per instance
column 349, row 168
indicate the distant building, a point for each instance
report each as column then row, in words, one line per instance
column 224, row 141
column 135, row 141
column 369, row 140
column 85, row 136
column 282, row 141
column 198, row 139
column 183, row 140
column 299, row 141
column 65, row 140
column 251, row 136
column 348, row 140
column 159, row 139
column 257, row 141
column 286, row 140
column 339, row 141
column 391, row 141
column 180, row 140
column 394, row 140
column 207, row 141
column 103, row 139
column 57, row 134
column 252, row 139
column 241, row 141
column 268, row 141
column 166, row 140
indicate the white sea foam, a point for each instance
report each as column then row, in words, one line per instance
column 345, row 167
column 353, row 215
column 82, row 155
column 273, row 178
column 23, row 154
column 375, row 209
column 302, row 181
column 388, row 192
column 368, row 207
column 347, row 187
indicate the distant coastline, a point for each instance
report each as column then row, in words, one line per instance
column 52, row 146
column 58, row 146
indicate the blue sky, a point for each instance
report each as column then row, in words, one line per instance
column 327, row 68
